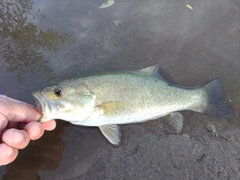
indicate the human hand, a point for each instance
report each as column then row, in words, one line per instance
column 18, row 125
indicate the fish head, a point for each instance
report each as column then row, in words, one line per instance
column 68, row 102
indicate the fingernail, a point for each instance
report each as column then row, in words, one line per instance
column 37, row 131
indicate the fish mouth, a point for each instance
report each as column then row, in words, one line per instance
column 42, row 105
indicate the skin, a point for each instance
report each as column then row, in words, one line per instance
column 18, row 125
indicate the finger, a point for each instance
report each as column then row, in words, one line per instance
column 18, row 111
column 11, row 99
column 3, row 123
column 34, row 130
column 16, row 138
column 49, row 126
column 7, row 154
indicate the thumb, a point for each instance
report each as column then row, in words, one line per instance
column 18, row 111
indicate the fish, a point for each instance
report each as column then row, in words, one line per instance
column 107, row 100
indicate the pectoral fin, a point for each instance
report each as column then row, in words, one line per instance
column 113, row 108
column 176, row 121
column 112, row 133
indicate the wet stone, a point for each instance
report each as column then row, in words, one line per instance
column 116, row 22
column 211, row 129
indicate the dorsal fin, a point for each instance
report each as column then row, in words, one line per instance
column 152, row 71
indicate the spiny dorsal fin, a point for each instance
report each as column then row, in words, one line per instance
column 152, row 71
column 112, row 133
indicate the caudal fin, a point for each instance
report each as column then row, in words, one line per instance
column 216, row 105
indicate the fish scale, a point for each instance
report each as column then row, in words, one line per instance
column 113, row 98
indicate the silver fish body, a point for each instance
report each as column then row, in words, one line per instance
column 108, row 99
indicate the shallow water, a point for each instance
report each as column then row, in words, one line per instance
column 55, row 40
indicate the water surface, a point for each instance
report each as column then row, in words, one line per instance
column 46, row 41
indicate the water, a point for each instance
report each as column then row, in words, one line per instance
column 55, row 40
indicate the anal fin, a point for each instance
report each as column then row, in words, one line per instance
column 176, row 121
column 112, row 133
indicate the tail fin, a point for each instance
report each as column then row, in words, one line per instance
column 217, row 105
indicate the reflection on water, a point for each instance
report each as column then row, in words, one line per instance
column 43, row 154
column 22, row 42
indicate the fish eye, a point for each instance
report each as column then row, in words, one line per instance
column 58, row 91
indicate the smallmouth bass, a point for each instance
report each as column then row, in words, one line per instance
column 109, row 99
